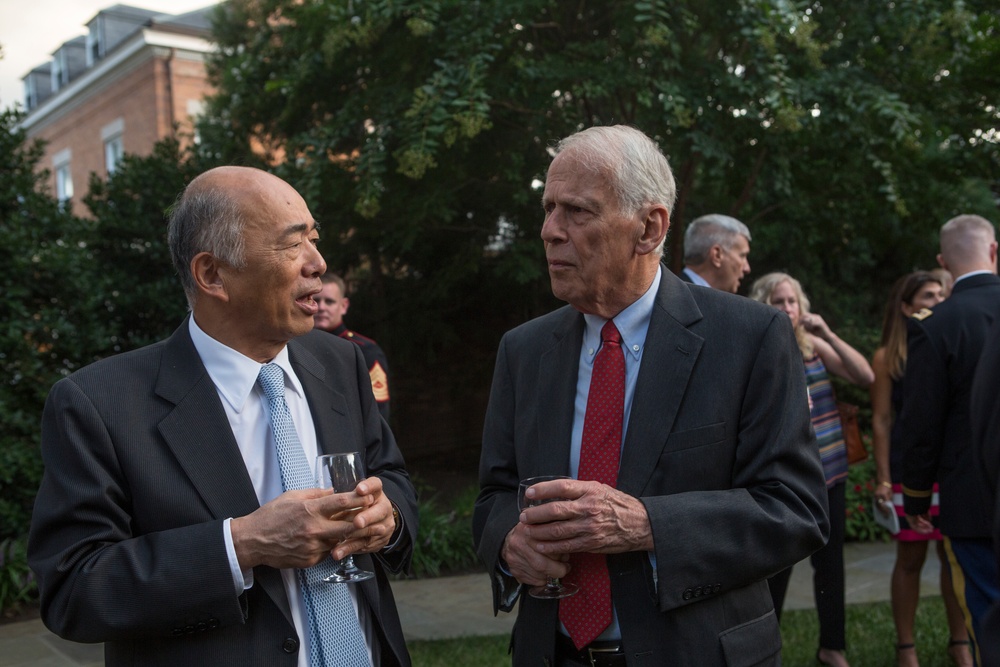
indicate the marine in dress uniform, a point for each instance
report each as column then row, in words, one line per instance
column 378, row 366
column 333, row 303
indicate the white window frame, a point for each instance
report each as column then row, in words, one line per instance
column 64, row 175
column 114, row 146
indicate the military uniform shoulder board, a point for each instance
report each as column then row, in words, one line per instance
column 923, row 314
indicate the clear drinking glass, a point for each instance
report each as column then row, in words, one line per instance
column 553, row 588
column 342, row 472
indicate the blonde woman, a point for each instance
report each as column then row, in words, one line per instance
column 823, row 352
column 910, row 294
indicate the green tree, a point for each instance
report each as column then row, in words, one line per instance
column 48, row 309
column 142, row 300
column 844, row 133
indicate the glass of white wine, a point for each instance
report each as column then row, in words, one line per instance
column 553, row 588
column 342, row 472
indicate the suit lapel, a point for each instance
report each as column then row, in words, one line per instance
column 557, row 392
column 199, row 434
column 326, row 404
column 668, row 358
column 198, row 431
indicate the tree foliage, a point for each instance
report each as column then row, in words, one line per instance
column 844, row 133
column 48, row 312
column 142, row 300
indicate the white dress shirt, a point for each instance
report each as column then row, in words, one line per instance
column 235, row 378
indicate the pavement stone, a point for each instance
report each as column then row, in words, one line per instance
column 450, row 607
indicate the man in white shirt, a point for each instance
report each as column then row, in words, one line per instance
column 161, row 526
column 716, row 252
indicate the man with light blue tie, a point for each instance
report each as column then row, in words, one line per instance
column 177, row 520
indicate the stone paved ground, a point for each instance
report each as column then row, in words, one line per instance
column 460, row 606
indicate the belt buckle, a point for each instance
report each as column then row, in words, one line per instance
column 593, row 659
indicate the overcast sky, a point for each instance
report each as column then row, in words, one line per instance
column 31, row 30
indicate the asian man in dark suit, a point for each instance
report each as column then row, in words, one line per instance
column 165, row 525
column 944, row 345
column 694, row 474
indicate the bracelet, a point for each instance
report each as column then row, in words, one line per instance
column 886, row 485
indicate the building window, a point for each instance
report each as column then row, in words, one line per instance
column 59, row 74
column 113, row 153
column 114, row 146
column 64, row 176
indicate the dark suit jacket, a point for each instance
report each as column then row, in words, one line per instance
column 943, row 353
column 141, row 469
column 986, row 441
column 719, row 449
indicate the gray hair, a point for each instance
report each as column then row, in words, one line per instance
column 709, row 230
column 207, row 220
column 636, row 168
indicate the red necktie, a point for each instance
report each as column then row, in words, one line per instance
column 588, row 613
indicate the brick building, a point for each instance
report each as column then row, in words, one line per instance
column 137, row 77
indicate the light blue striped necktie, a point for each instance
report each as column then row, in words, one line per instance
column 335, row 638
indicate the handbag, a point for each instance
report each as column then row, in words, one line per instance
column 856, row 452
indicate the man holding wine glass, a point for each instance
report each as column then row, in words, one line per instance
column 678, row 413
column 180, row 519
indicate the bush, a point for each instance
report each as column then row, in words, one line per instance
column 17, row 584
column 444, row 542
column 860, row 523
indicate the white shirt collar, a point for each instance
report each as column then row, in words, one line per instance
column 969, row 275
column 234, row 373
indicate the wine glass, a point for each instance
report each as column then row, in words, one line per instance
column 553, row 588
column 342, row 472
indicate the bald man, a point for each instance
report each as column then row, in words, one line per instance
column 176, row 519
column 944, row 347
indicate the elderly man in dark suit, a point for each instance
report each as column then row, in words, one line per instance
column 944, row 345
column 694, row 470
column 176, row 520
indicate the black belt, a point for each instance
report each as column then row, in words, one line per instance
column 594, row 654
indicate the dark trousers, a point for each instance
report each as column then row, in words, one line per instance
column 828, row 578
column 974, row 575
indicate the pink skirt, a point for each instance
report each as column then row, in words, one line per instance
column 907, row 534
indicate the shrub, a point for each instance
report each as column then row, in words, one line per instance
column 444, row 542
column 860, row 523
column 17, row 584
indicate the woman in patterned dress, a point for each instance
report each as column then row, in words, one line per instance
column 910, row 294
column 823, row 352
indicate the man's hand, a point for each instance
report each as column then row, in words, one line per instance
column 921, row 523
column 373, row 526
column 587, row 517
column 526, row 563
column 299, row 528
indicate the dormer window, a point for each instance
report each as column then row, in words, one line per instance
column 95, row 43
column 60, row 72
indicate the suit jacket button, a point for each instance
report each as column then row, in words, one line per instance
column 290, row 645
column 688, row 594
